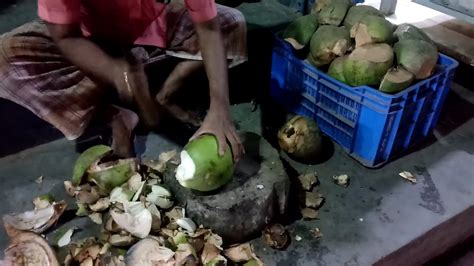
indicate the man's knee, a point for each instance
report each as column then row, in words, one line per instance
column 232, row 18
column 162, row 98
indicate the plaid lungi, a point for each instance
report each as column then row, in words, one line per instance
column 34, row 74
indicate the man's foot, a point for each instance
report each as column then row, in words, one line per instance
column 123, row 123
column 174, row 82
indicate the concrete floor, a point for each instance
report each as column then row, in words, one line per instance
column 378, row 213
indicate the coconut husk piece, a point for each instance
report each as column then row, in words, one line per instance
column 36, row 221
column 309, row 213
column 27, row 247
column 148, row 251
column 313, row 199
column 307, row 181
column 276, row 236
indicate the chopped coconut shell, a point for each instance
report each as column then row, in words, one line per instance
column 149, row 251
column 214, row 239
column 101, row 205
column 70, row 188
column 111, row 225
column 96, row 217
column 134, row 183
column 39, row 180
column 239, row 253
column 135, row 219
column 309, row 213
column 65, row 238
column 43, row 201
column 186, row 255
column 155, row 218
column 82, row 210
column 341, row 180
column 160, row 196
column 110, row 175
column 408, row 176
column 36, row 221
column 187, row 224
column 209, row 253
column 308, row 181
column 121, row 195
column 87, row 262
column 163, row 160
column 166, row 232
column 316, row 233
column 118, row 240
column 87, row 196
column 313, row 199
column 276, row 236
column 89, row 251
column 221, row 261
column 27, row 248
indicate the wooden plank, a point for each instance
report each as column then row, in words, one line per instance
column 457, row 43
column 460, row 26
column 433, row 243
column 445, row 10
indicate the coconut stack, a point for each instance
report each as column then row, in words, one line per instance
column 357, row 45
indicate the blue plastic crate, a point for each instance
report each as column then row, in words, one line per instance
column 371, row 126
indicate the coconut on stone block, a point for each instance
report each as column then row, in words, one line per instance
column 202, row 168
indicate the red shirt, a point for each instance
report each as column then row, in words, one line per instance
column 141, row 20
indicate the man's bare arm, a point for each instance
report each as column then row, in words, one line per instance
column 218, row 121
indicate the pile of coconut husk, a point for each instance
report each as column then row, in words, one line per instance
column 140, row 224
column 358, row 46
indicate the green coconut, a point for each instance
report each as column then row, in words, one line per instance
column 408, row 31
column 367, row 64
column 301, row 139
column 327, row 43
column 356, row 13
column 336, row 69
column 110, row 175
column 396, row 80
column 299, row 32
column 202, row 168
column 331, row 12
column 417, row 56
column 372, row 29
column 86, row 159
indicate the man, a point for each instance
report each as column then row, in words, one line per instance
column 61, row 69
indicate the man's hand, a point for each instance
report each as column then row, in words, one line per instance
column 219, row 123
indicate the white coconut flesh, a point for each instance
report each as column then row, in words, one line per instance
column 30, row 219
column 377, row 53
column 186, row 169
